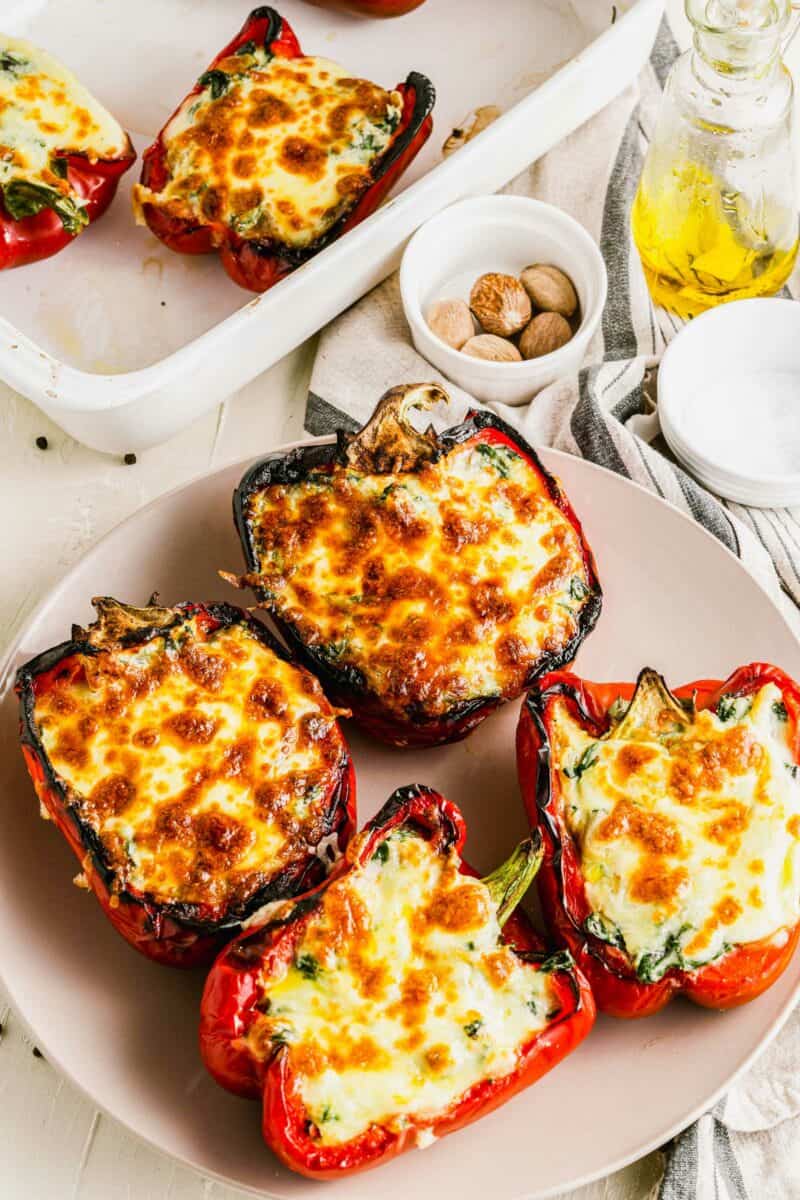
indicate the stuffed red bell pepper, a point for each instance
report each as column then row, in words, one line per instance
column 396, row 1003
column 425, row 578
column 671, row 824
column 61, row 155
column 275, row 154
column 196, row 773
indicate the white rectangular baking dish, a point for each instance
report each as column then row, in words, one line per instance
column 122, row 342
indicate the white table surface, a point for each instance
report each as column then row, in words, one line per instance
column 55, row 1145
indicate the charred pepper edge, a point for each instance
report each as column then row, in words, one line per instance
column 535, row 706
column 296, row 877
column 401, row 141
column 294, row 467
column 448, row 827
column 265, row 12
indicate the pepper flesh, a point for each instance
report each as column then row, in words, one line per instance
column 387, row 442
column 29, row 239
column 740, row 975
column 180, row 935
column 235, row 985
column 371, row 8
column 259, row 264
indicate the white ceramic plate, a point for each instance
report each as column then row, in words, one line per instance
column 125, row 1029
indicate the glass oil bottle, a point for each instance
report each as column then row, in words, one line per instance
column 715, row 215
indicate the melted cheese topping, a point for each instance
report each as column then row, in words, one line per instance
column 274, row 148
column 439, row 586
column 400, row 996
column 690, row 840
column 201, row 760
column 45, row 114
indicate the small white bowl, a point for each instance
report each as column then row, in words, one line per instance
column 499, row 233
column 729, row 400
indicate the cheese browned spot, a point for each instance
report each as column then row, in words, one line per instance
column 202, row 760
column 363, row 567
column 274, row 148
column 45, row 115
column 631, row 759
column 673, row 822
column 399, row 996
column 656, row 833
column 703, row 767
column 655, row 884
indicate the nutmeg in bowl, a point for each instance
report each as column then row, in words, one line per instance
column 451, row 320
column 507, row 259
column 500, row 304
column 549, row 289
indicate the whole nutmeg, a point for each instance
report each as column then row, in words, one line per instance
column 492, row 348
column 547, row 332
column 550, row 289
column 451, row 321
column 500, row 303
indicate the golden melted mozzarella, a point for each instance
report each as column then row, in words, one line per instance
column 45, row 114
column 201, row 760
column 274, row 148
column 689, row 840
column 439, row 586
column 400, row 996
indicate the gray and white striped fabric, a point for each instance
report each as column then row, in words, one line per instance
column 747, row 1148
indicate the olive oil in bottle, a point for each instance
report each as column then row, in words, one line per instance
column 701, row 244
column 715, row 215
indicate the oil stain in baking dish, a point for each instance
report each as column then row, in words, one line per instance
column 61, row 330
column 153, row 266
column 81, row 334
column 123, row 320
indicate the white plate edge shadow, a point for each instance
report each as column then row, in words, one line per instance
column 6, row 684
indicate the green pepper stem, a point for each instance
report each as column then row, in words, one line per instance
column 509, row 882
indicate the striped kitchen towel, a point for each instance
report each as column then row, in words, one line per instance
column 746, row 1149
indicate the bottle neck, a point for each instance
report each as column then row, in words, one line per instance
column 733, row 65
column 740, row 40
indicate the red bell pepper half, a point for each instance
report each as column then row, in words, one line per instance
column 173, row 934
column 371, row 8
column 237, row 993
column 388, row 442
column 257, row 264
column 736, row 977
column 29, row 238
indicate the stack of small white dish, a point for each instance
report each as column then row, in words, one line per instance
column 729, row 401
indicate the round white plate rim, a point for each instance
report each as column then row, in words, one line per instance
column 656, row 1140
